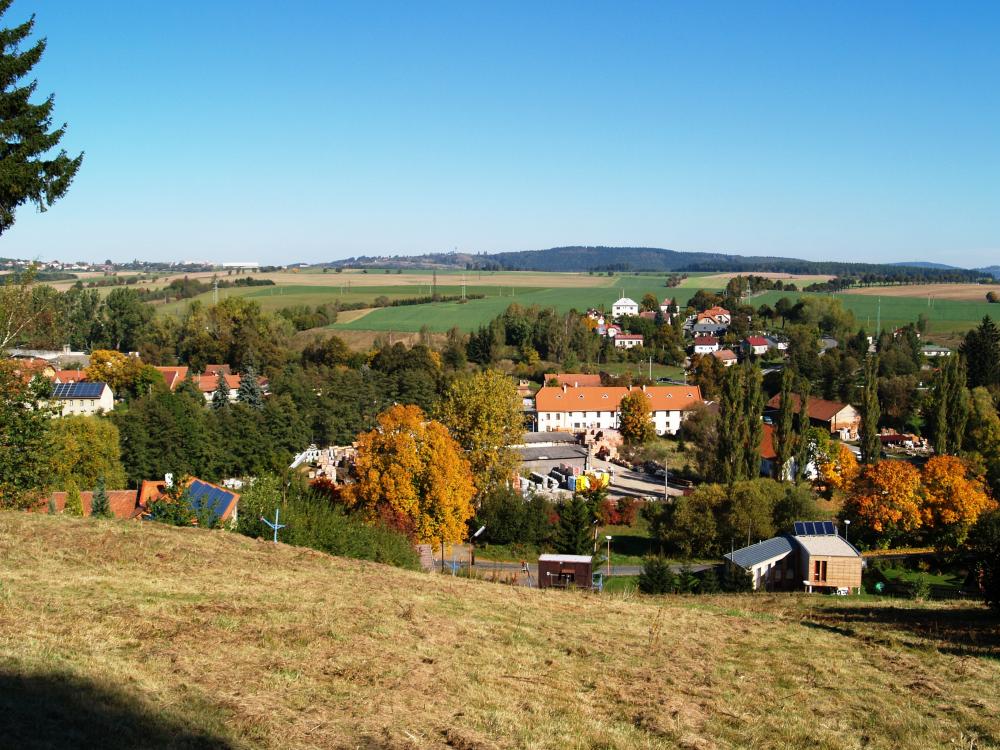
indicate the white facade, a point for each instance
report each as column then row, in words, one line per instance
column 706, row 348
column 624, row 306
column 627, row 341
column 85, row 407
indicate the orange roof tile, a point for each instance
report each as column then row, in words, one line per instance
column 122, row 502
column 817, row 408
column 70, row 376
column 173, row 376
column 574, row 379
column 661, row 398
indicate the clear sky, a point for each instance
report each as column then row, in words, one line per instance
column 312, row 130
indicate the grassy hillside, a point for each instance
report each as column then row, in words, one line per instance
column 121, row 635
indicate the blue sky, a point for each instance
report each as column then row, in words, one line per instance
column 309, row 130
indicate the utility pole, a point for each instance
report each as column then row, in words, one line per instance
column 215, row 291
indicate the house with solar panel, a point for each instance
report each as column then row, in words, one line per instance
column 83, row 399
column 812, row 558
column 201, row 495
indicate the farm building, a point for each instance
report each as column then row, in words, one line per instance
column 596, row 408
column 813, row 558
column 833, row 415
column 565, row 571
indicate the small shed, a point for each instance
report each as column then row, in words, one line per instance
column 563, row 571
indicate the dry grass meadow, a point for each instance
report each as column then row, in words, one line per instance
column 121, row 635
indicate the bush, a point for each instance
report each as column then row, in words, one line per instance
column 510, row 518
column 656, row 576
column 312, row 521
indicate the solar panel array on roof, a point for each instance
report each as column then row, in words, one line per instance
column 815, row 528
column 211, row 498
column 78, row 390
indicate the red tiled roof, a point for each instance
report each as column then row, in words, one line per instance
column 767, row 443
column 607, row 398
column 629, row 337
column 208, row 383
column 152, row 490
column 724, row 354
column 756, row 341
column 817, row 408
column 713, row 312
column 574, row 379
column 648, row 315
column 705, row 340
column 122, row 503
column 173, row 375
column 70, row 376
column 216, row 369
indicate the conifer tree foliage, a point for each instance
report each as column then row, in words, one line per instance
column 100, row 506
column 871, row 444
column 981, row 349
column 249, row 392
column 573, row 533
column 804, row 437
column 656, row 576
column 753, row 409
column 29, row 172
column 220, row 396
column 24, row 430
column 74, row 503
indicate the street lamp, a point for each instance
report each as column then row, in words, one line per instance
column 472, row 546
column 609, row 555
column 847, row 529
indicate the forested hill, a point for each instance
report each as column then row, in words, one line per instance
column 601, row 258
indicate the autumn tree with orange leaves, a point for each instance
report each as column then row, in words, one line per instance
column 412, row 476
column 886, row 500
column 953, row 499
column 839, row 470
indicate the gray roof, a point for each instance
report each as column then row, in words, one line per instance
column 827, row 546
column 553, row 453
column 549, row 437
column 755, row 554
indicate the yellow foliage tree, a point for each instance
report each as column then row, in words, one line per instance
column 118, row 370
column 952, row 493
column 839, row 469
column 635, row 420
column 411, row 475
column 84, row 449
column 886, row 498
column 484, row 415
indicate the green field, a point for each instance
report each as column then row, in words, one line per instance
column 944, row 316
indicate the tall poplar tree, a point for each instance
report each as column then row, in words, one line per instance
column 753, row 426
column 803, row 428
column 730, row 464
column 29, row 171
column 871, row 444
column 784, row 427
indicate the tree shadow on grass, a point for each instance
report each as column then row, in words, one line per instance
column 49, row 711
column 969, row 631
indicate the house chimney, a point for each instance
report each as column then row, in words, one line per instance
column 564, row 387
column 576, row 383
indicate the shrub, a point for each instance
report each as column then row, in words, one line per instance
column 656, row 576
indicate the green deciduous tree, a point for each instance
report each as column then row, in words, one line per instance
column 483, row 413
column 871, row 444
column 24, row 425
column 85, row 450
column 29, row 172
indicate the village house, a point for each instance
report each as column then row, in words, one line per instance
column 669, row 308
column 628, row 340
column 706, row 344
column 813, row 558
column 717, row 315
column 836, row 417
column 756, row 345
column 934, row 350
column 704, row 329
column 624, row 306
column 727, row 357
column 173, row 376
column 123, row 504
column 83, row 399
column 222, row 503
column 69, row 376
column 769, row 456
column 613, row 331
column 596, row 408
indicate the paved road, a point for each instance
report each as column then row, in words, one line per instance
column 485, row 566
column 630, row 482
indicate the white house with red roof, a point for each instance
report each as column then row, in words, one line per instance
column 628, row 340
column 755, row 345
column 586, row 408
column 706, row 344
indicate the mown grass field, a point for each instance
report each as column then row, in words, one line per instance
column 121, row 635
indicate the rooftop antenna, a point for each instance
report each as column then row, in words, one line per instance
column 274, row 525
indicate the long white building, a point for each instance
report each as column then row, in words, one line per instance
column 596, row 407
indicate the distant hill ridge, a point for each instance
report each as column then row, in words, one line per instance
column 582, row 258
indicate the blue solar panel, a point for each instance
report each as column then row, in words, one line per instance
column 814, row 528
column 78, row 390
column 206, row 496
